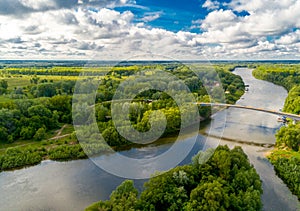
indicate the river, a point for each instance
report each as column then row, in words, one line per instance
column 75, row 184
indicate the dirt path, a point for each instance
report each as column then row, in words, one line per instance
column 61, row 129
column 58, row 135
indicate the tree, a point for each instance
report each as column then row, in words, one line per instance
column 46, row 90
column 292, row 102
column 125, row 196
column 3, row 134
column 289, row 136
column 27, row 132
column 39, row 110
column 40, row 134
column 3, row 84
column 61, row 104
column 111, row 136
column 209, row 196
column 193, row 83
column 102, row 112
column 195, row 187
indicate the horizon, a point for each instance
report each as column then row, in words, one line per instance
column 149, row 60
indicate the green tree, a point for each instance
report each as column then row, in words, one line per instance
column 27, row 132
column 209, row 196
column 124, row 197
column 111, row 136
column 39, row 110
column 3, row 134
column 3, row 84
column 40, row 134
column 289, row 136
column 46, row 90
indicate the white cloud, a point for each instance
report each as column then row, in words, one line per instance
column 291, row 38
column 269, row 17
column 211, row 4
column 218, row 20
column 260, row 5
column 151, row 16
column 39, row 4
column 103, row 34
column 254, row 34
column 51, row 29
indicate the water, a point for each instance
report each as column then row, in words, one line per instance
column 258, row 127
column 76, row 184
column 248, row 125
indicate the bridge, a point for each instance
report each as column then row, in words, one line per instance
column 295, row 117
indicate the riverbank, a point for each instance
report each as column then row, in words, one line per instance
column 66, row 148
column 286, row 155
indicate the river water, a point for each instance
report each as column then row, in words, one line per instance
column 76, row 184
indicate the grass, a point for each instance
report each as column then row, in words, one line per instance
column 24, row 80
column 21, row 144
column 50, row 143
column 67, row 130
column 16, row 143
column 17, row 81
column 51, row 133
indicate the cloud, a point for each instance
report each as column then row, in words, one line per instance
column 15, row 40
column 290, row 38
column 20, row 8
column 105, row 34
column 211, row 5
column 151, row 16
column 39, row 5
column 261, row 5
column 269, row 17
column 267, row 26
column 65, row 29
column 219, row 19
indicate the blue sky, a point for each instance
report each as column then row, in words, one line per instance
column 118, row 29
column 174, row 14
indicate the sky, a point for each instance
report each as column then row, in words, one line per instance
column 174, row 29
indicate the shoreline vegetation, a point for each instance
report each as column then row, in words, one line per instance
column 37, row 102
column 220, row 179
column 286, row 155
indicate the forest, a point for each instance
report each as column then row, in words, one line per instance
column 37, row 101
column 286, row 156
column 220, row 179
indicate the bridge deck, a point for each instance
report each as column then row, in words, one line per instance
column 292, row 116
